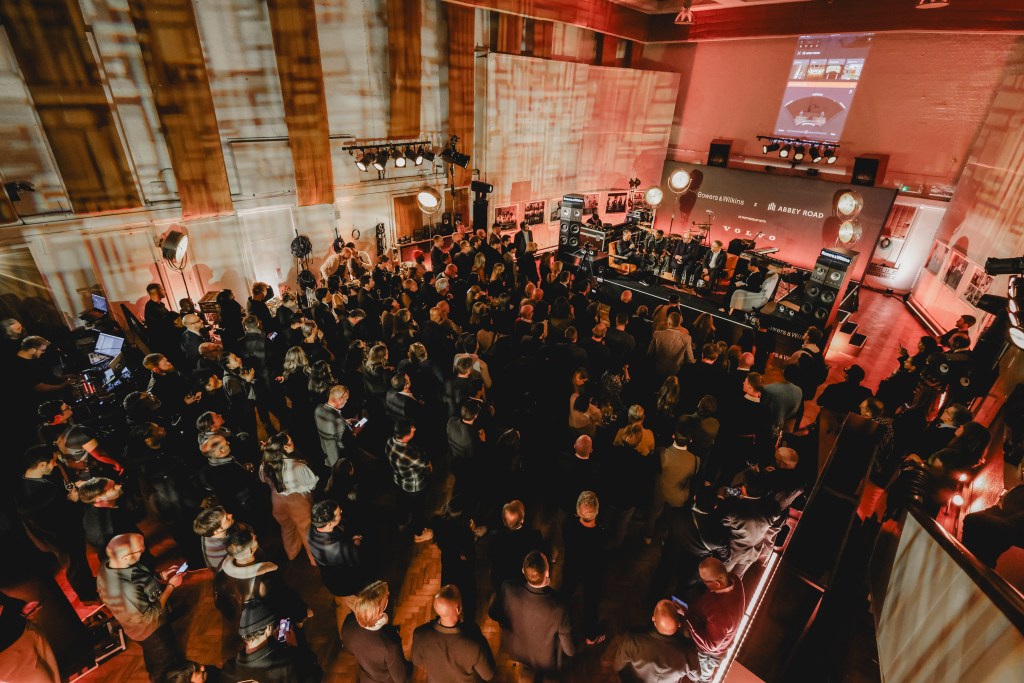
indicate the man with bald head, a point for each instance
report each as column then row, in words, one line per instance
column 714, row 617
column 448, row 649
column 137, row 598
column 658, row 653
column 192, row 336
column 580, row 472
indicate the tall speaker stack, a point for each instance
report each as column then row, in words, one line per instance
column 827, row 286
column 570, row 222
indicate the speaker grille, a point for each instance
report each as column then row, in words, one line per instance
column 564, row 228
column 828, row 296
column 835, row 276
column 812, row 290
column 819, row 273
column 821, row 314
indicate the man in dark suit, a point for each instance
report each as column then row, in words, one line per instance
column 684, row 257
column 658, row 653
column 451, row 650
column 701, row 378
column 523, row 237
column 400, row 401
column 334, row 430
column 438, row 256
column 713, row 264
column 463, row 260
column 511, row 544
column 535, row 622
column 193, row 335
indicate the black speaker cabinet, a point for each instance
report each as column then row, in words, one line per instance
column 869, row 170
column 718, row 154
column 480, row 211
column 446, row 218
column 828, row 281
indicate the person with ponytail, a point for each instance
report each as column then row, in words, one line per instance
column 291, row 485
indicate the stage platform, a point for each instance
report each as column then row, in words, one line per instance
column 658, row 292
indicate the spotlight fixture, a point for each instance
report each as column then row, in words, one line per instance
column 425, row 153
column 429, row 200
column 685, row 16
column 799, row 153
column 411, row 155
column 786, row 151
column 452, row 155
column 816, row 153
column 634, row 183
column 848, row 204
column 364, row 160
column 850, row 232
column 679, row 180
column 654, row 196
column 931, row 4
column 830, row 155
column 174, row 246
column 769, row 147
column 381, row 160
column 398, row 157
column 797, row 150
column 1007, row 266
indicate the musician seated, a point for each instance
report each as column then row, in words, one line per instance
column 712, row 265
column 656, row 258
column 756, row 290
column 684, row 257
column 626, row 251
column 595, row 221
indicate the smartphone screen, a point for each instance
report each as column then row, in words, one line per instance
column 272, row 336
column 361, row 422
column 282, row 629
column 680, row 602
column 182, row 569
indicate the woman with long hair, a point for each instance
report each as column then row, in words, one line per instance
column 321, row 379
column 295, row 378
column 291, row 485
column 497, row 284
column 702, row 330
column 666, row 411
column 231, row 314
column 313, row 343
column 377, row 373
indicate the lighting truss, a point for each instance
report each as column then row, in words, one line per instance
column 376, row 156
column 796, row 150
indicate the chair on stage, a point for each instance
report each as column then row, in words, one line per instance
column 724, row 276
column 622, row 266
column 742, row 300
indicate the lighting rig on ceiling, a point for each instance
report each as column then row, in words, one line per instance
column 685, row 16
column 798, row 151
column 403, row 154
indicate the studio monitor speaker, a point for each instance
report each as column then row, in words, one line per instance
column 869, row 170
column 718, row 153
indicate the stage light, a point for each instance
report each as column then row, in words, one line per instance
column 772, row 146
column 425, row 153
column 817, row 153
column 850, row 232
column 963, row 477
column 412, row 156
column 364, row 160
column 381, row 160
column 398, row 157
column 1005, row 266
column 848, row 203
column 957, row 500
column 1017, row 336
column 798, row 153
column 679, row 180
column 654, row 196
column 931, row 4
column 453, row 156
column 830, row 155
column 428, row 200
column 174, row 246
column 786, row 151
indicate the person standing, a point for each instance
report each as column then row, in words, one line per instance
column 332, row 425
column 338, row 557
column 137, row 598
column 451, row 650
column 715, row 616
column 586, row 550
column 535, row 623
column 291, row 485
column 522, row 240
column 657, row 654
column 374, row 642
column 409, row 466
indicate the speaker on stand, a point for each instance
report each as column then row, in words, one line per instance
column 570, row 222
column 480, row 190
column 825, row 289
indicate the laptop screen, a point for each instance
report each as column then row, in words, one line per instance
column 109, row 345
column 100, row 303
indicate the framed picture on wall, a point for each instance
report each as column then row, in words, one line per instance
column 556, row 206
column 505, row 216
column 590, row 202
column 977, row 287
column 636, row 201
column 955, row 270
column 936, row 258
column 533, row 213
column 616, row 202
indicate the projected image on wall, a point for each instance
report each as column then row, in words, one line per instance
column 822, row 81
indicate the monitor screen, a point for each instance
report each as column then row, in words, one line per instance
column 100, row 303
column 109, row 345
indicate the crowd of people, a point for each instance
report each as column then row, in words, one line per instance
column 480, row 399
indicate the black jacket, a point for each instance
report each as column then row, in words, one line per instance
column 339, row 560
column 275, row 662
column 457, row 654
column 378, row 653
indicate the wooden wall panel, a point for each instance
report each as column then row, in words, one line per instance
column 543, row 37
column 49, row 41
column 609, row 47
column 510, row 34
column 181, row 90
column 404, row 67
column 461, row 82
column 408, row 216
column 297, row 50
column 603, row 16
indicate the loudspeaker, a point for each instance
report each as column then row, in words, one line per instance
column 869, row 170
column 828, row 280
column 446, row 218
column 571, row 213
column 419, row 234
column 718, row 154
column 480, row 212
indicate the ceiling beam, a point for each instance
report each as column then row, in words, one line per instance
column 602, row 16
column 861, row 16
